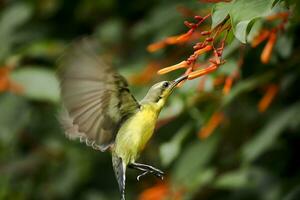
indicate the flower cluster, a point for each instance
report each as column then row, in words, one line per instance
column 211, row 43
column 270, row 35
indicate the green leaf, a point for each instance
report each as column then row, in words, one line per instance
column 204, row 177
column 15, row 116
column 38, row 83
column 266, row 137
column 194, row 158
column 242, row 13
column 233, row 180
column 170, row 150
column 220, row 12
column 11, row 19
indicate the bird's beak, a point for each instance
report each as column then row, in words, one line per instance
column 178, row 80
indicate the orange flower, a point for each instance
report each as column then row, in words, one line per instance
column 202, row 72
column 157, row 192
column 161, row 191
column 4, row 78
column 281, row 15
column 263, row 35
column 202, row 51
column 228, row 85
column 184, row 37
column 180, row 65
column 211, row 125
column 161, row 44
column 267, row 99
column 5, row 83
column 266, row 54
column 156, row 46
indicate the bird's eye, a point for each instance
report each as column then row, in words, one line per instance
column 165, row 84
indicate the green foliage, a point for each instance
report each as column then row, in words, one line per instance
column 37, row 83
column 242, row 13
column 11, row 19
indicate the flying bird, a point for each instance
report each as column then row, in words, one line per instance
column 99, row 109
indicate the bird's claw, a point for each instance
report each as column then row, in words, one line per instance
column 141, row 175
column 147, row 169
column 157, row 173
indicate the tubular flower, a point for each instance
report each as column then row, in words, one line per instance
column 228, row 85
column 202, row 72
column 267, row 99
column 262, row 36
column 180, row 65
column 211, row 125
column 161, row 44
column 266, row 54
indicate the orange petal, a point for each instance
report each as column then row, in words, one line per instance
column 156, row 46
column 281, row 15
column 180, row 65
column 211, row 125
column 4, row 78
column 157, row 192
column 184, row 37
column 267, row 99
column 266, row 54
column 263, row 35
column 172, row 40
column 228, row 85
column 202, row 72
column 201, row 51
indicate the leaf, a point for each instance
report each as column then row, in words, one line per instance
column 170, row 150
column 194, row 158
column 15, row 116
column 11, row 19
column 266, row 137
column 251, row 178
column 38, row 83
column 233, row 179
column 203, row 177
column 220, row 12
column 242, row 13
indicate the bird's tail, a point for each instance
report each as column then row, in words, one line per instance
column 120, row 172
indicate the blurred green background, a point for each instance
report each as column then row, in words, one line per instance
column 249, row 155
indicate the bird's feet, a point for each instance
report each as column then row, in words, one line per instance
column 147, row 169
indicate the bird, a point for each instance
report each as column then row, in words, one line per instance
column 99, row 109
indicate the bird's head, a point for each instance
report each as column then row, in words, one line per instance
column 159, row 93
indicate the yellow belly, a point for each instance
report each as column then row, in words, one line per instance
column 134, row 134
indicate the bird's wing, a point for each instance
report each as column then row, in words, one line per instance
column 95, row 98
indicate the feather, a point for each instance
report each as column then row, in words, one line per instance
column 95, row 98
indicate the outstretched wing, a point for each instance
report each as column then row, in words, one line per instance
column 95, row 98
